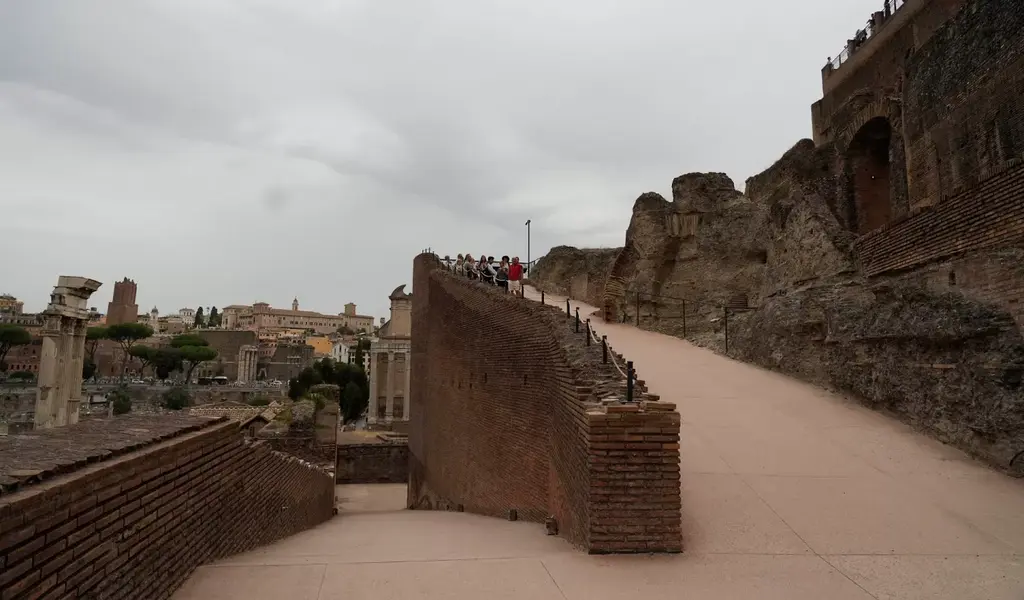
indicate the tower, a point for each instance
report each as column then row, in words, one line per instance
column 295, row 304
column 122, row 307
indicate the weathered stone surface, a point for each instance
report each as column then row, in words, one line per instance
column 937, row 346
column 576, row 272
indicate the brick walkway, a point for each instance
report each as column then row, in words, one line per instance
column 789, row 492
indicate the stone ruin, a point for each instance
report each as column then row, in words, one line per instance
column 60, row 364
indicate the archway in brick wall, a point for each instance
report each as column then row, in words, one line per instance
column 869, row 174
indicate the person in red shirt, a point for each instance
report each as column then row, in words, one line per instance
column 515, row 276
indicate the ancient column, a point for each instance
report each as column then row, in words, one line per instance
column 59, row 387
column 389, row 407
column 405, row 396
column 371, row 416
column 77, row 362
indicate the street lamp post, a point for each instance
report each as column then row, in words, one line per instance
column 528, row 263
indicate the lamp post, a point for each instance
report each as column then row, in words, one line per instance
column 528, row 264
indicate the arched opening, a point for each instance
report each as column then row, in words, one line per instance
column 868, row 159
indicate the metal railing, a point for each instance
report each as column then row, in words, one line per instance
column 693, row 317
column 862, row 36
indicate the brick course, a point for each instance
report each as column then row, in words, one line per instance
column 135, row 526
column 506, row 415
column 987, row 216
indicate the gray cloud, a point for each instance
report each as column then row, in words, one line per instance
column 228, row 151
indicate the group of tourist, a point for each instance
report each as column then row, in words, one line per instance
column 506, row 274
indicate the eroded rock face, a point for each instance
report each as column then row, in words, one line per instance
column 941, row 362
column 577, row 272
column 941, row 358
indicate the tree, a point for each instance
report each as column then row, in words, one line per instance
column 93, row 335
column 120, row 400
column 144, row 354
column 353, row 401
column 194, row 351
column 177, row 398
column 340, row 374
column 199, row 317
column 360, row 358
column 188, row 339
column 166, row 361
column 22, row 376
column 88, row 368
column 126, row 334
column 214, row 319
column 11, row 336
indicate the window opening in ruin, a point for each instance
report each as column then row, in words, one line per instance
column 868, row 159
column 952, row 278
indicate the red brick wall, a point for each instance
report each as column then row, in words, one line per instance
column 990, row 215
column 136, row 526
column 503, row 417
column 964, row 113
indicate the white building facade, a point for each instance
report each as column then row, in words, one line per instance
column 389, row 364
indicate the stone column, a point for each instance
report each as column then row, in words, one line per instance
column 78, row 361
column 390, row 406
column 48, row 373
column 60, row 364
column 64, row 349
column 406, row 380
column 371, row 416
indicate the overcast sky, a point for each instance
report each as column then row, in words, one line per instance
column 231, row 151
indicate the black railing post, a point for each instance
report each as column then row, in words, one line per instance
column 588, row 332
column 629, row 381
column 604, row 349
column 577, row 319
column 684, row 318
column 542, row 296
column 638, row 309
column 567, row 313
column 726, row 330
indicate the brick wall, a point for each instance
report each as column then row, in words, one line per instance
column 964, row 113
column 373, row 463
column 879, row 64
column 508, row 412
column 136, row 525
column 990, row 215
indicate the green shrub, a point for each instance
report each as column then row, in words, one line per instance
column 121, row 401
column 176, row 398
column 259, row 400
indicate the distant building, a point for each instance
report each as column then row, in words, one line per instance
column 10, row 305
column 122, row 307
column 389, row 364
column 25, row 358
column 261, row 317
column 187, row 316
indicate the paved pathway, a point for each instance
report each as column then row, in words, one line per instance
column 789, row 492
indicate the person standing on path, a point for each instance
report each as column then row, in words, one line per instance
column 515, row 277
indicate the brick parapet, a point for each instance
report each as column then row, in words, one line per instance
column 633, row 460
column 505, row 404
column 135, row 526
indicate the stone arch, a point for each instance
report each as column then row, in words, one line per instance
column 868, row 174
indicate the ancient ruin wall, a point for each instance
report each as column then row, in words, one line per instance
column 137, row 524
column 504, row 417
column 990, row 215
column 962, row 106
column 577, row 272
column 373, row 463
